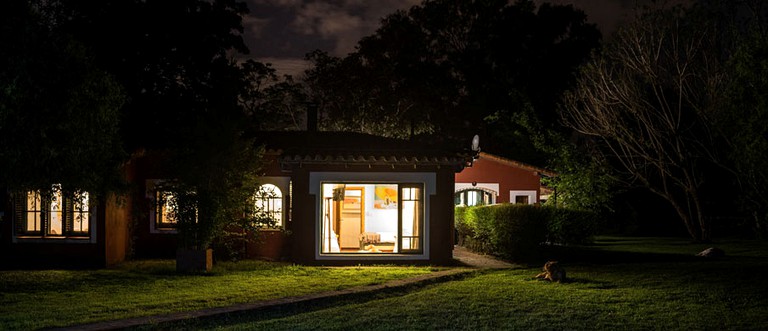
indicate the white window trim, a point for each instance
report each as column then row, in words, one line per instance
column 530, row 193
column 490, row 187
column 428, row 179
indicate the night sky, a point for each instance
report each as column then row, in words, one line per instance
column 281, row 32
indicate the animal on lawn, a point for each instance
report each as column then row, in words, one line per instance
column 552, row 272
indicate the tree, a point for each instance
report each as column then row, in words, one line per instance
column 743, row 122
column 173, row 59
column 59, row 114
column 188, row 98
column 649, row 98
column 444, row 66
column 274, row 103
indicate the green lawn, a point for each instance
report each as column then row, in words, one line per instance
column 617, row 284
column 50, row 298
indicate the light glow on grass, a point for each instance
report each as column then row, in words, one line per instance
column 51, row 298
column 618, row 284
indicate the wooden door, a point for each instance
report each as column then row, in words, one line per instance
column 351, row 219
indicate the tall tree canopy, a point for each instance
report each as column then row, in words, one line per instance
column 445, row 66
column 59, row 114
column 173, row 59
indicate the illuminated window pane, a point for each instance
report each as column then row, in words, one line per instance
column 81, row 212
column 164, row 216
column 56, row 214
column 269, row 201
column 34, row 211
column 371, row 218
column 411, row 219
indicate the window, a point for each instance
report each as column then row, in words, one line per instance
column 473, row 197
column 522, row 197
column 410, row 218
column 164, row 217
column 372, row 218
column 53, row 214
column 269, row 201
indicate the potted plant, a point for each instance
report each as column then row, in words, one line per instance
column 216, row 178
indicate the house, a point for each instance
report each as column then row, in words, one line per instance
column 352, row 197
column 494, row 179
column 344, row 198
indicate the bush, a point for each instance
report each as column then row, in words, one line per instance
column 463, row 229
column 516, row 232
column 480, row 220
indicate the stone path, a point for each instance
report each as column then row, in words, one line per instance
column 467, row 261
column 475, row 260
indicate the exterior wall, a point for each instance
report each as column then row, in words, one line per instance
column 302, row 225
column 145, row 243
column 116, row 229
column 508, row 177
column 442, row 224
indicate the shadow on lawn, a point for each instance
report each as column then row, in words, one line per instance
column 595, row 255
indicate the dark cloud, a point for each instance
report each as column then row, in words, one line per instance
column 283, row 31
column 292, row 28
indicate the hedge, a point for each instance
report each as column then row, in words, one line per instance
column 516, row 232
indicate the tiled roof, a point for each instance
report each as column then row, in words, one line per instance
column 323, row 147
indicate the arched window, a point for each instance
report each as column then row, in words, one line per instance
column 269, row 201
column 473, row 197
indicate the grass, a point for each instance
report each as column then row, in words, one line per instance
column 55, row 298
column 618, row 283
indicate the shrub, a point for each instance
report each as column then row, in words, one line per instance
column 480, row 219
column 463, row 228
column 518, row 230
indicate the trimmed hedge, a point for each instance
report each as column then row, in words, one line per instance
column 516, row 232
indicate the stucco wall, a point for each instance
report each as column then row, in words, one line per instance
column 509, row 177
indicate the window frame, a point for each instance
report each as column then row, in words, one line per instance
column 279, row 215
column 531, row 194
column 461, row 197
column 43, row 213
column 152, row 194
column 427, row 180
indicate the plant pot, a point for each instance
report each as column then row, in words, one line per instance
column 194, row 260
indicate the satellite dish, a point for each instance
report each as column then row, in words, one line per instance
column 476, row 143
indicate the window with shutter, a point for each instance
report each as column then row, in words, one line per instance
column 52, row 214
